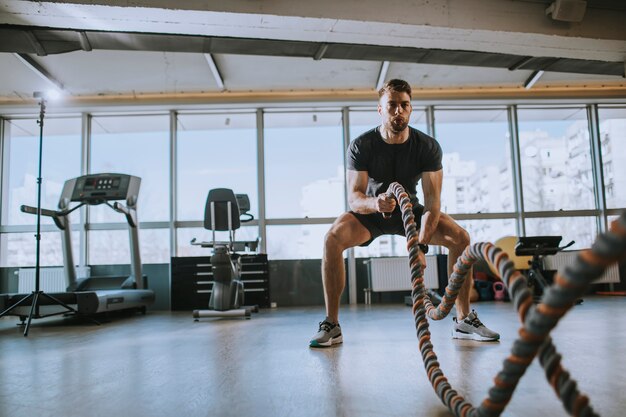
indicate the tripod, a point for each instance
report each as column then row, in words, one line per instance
column 36, row 296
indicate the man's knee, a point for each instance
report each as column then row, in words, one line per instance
column 464, row 237
column 333, row 241
column 345, row 233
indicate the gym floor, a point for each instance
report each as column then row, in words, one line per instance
column 165, row 364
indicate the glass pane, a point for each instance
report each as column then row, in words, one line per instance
column 613, row 142
column 184, row 236
column 583, row 230
column 215, row 151
column 475, row 180
column 135, row 145
column 489, row 230
column 304, row 170
column 109, row 247
column 155, row 246
column 19, row 249
column 386, row 245
column 112, row 247
column 60, row 162
column 296, row 242
column 556, row 159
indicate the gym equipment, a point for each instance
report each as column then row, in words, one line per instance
column 538, row 247
column 485, row 290
column 223, row 212
column 499, row 291
column 537, row 320
column 93, row 295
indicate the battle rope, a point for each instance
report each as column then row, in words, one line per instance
column 537, row 321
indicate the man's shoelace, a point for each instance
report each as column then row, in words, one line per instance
column 326, row 326
column 474, row 322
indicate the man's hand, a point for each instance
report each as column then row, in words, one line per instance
column 385, row 203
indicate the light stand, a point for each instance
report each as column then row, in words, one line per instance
column 38, row 293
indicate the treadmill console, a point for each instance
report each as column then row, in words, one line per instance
column 98, row 188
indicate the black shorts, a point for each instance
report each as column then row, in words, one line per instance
column 378, row 225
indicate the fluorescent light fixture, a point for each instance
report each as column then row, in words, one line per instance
column 534, row 77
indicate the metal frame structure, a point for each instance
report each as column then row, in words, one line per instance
column 600, row 212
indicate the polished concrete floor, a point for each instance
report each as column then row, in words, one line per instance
column 165, row 364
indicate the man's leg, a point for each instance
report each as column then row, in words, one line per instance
column 455, row 239
column 345, row 233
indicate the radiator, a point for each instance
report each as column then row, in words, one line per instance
column 50, row 279
column 561, row 259
column 394, row 274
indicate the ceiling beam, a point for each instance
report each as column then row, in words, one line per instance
column 39, row 48
column 84, row 40
column 384, row 68
column 319, row 54
column 215, row 71
column 39, row 69
column 534, row 77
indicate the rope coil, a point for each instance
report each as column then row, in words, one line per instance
column 537, row 320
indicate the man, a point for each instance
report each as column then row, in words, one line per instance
column 393, row 151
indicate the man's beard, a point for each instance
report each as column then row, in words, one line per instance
column 395, row 126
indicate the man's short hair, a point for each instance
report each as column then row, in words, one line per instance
column 396, row 85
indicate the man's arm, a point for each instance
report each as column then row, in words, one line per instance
column 361, row 203
column 431, row 184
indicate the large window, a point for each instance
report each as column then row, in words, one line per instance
column 475, row 180
column 112, row 247
column 303, row 175
column 488, row 230
column 613, row 143
column 304, row 170
column 555, row 157
column 135, row 145
column 60, row 162
column 19, row 249
column 215, row 151
column 296, row 242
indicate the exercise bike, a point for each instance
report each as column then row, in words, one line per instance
column 223, row 212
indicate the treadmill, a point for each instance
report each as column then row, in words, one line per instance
column 93, row 295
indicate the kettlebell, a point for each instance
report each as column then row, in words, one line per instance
column 499, row 291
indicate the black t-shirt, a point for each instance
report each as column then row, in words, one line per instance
column 386, row 163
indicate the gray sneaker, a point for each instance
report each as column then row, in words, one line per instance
column 329, row 334
column 472, row 328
